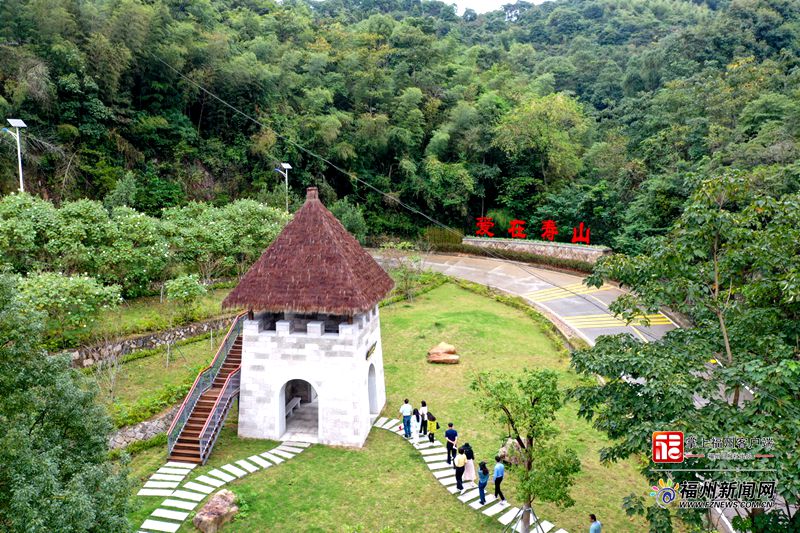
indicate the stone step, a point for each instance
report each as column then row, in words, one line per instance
column 381, row 421
column 161, row 484
column 259, row 461
column 477, row 503
column 179, row 504
column 173, row 471
column 289, row 449
column 166, row 477
column 448, row 480
column 282, row 453
column 198, row 487
column 469, row 496
column 214, row 482
column 180, row 464
column 440, row 465
column 442, row 473
column 157, row 525
column 391, row 424
column 180, row 516
column 250, row 467
column 544, row 527
column 296, row 444
column 508, row 516
column 431, row 450
column 274, row 458
column 561, row 531
column 494, row 509
column 235, row 470
column 452, row 489
column 434, row 458
column 154, row 492
column 187, row 495
column 222, row 475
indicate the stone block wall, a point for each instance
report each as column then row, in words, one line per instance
column 335, row 364
column 88, row 355
column 561, row 250
column 143, row 430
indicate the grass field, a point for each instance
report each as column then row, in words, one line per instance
column 386, row 484
column 149, row 314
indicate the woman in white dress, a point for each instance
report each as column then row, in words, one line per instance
column 416, row 423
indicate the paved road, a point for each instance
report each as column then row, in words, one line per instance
column 563, row 298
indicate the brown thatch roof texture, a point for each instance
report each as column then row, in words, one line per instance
column 314, row 265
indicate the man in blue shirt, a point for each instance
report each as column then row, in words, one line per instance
column 451, row 436
column 499, row 472
column 595, row 525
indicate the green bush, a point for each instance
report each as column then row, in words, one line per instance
column 435, row 235
column 126, row 415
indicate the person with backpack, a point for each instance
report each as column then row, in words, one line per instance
column 433, row 425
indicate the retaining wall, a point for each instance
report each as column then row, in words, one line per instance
column 143, row 430
column 88, row 355
column 561, row 250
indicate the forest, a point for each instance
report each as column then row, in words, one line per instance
column 608, row 112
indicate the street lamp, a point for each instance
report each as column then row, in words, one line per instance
column 284, row 171
column 17, row 124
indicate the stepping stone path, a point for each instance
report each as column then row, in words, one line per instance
column 182, row 498
column 434, row 456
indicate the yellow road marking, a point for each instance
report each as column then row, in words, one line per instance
column 557, row 293
column 607, row 320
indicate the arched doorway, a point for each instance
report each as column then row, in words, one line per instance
column 299, row 411
column 372, row 385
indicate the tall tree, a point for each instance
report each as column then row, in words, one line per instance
column 527, row 405
column 731, row 265
column 54, row 469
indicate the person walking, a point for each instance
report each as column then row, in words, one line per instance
column 405, row 411
column 416, row 422
column 459, row 463
column 451, row 436
column 483, row 480
column 594, row 524
column 499, row 472
column 433, row 425
column 423, row 411
column 469, row 468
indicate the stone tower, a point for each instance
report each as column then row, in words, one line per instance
column 312, row 364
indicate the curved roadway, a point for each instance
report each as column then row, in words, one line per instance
column 577, row 310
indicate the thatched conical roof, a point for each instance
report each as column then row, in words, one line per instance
column 313, row 266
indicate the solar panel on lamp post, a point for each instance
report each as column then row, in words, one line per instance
column 284, row 171
column 17, row 124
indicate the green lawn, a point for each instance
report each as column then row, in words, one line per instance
column 386, row 484
column 149, row 314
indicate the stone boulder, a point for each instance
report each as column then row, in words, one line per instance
column 219, row 510
column 443, row 358
column 442, row 347
column 510, row 452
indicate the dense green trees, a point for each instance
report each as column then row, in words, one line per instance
column 516, row 108
column 130, row 249
column 54, row 469
column 731, row 265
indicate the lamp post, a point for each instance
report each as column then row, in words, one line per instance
column 17, row 124
column 284, row 171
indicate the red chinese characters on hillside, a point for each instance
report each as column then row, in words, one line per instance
column 516, row 229
column 484, row 225
column 549, row 230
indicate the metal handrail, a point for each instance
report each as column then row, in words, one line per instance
column 208, row 435
column 203, row 382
